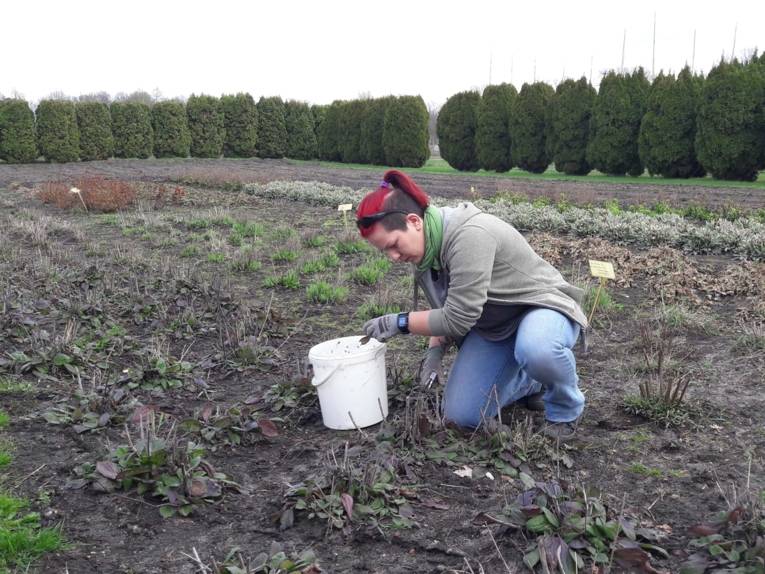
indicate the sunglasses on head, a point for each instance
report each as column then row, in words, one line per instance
column 369, row 220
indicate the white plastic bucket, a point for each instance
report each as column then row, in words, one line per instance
column 350, row 380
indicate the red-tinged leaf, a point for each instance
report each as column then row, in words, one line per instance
column 630, row 555
column 207, row 411
column 347, row 501
column 143, row 412
column 252, row 399
column 268, row 428
column 700, row 530
column 108, row 469
column 431, row 503
column 735, row 515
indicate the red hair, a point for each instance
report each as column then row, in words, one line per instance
column 378, row 200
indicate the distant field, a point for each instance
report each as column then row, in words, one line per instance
column 437, row 165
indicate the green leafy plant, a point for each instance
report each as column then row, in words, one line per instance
column 346, row 492
column 157, row 463
column 275, row 561
column 233, row 426
column 315, row 240
column 574, row 527
column 733, row 542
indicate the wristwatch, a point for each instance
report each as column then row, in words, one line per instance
column 403, row 323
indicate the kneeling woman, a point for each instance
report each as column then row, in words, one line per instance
column 512, row 315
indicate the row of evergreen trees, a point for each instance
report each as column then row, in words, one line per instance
column 208, row 127
column 680, row 126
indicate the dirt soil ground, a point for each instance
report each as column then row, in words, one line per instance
column 449, row 186
column 176, row 310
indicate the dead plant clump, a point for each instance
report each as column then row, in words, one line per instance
column 92, row 193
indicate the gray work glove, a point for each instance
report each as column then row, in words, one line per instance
column 382, row 328
column 431, row 369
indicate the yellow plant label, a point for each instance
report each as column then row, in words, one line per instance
column 602, row 269
column 345, row 207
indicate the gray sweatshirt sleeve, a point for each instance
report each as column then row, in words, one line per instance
column 470, row 256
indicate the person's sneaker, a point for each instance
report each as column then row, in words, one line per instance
column 533, row 402
column 560, row 431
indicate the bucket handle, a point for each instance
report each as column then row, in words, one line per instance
column 318, row 382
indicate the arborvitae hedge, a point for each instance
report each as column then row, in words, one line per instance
column 318, row 113
column 95, row 124
column 131, row 128
column 206, row 126
column 372, row 130
column 668, row 129
column 528, row 127
column 240, row 119
column 405, row 132
column 272, row 130
column 616, row 117
column 492, row 138
column 456, row 127
column 729, row 137
column 58, row 138
column 329, row 133
column 301, row 139
column 171, row 129
column 18, row 141
column 569, row 126
column 350, row 132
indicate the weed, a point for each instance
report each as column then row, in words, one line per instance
column 366, row 275
column 315, row 240
column 235, row 240
column 329, row 260
column 198, row 223
column 216, row 257
column 284, row 255
column 246, row 265
column 282, row 234
column 351, row 246
column 643, row 470
column 289, row 280
column 382, row 303
column 313, row 266
column 231, row 427
column 275, row 561
column 190, row 251
column 3, row 419
column 323, row 292
column 22, row 538
column 752, row 340
column 248, row 229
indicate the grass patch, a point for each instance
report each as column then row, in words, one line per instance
column 437, row 165
column 216, row 257
column 284, row 256
column 323, row 292
column 289, row 280
column 666, row 414
column 190, row 251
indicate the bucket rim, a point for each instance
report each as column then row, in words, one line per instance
column 371, row 348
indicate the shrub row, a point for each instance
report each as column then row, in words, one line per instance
column 384, row 131
column 680, row 126
column 744, row 236
column 205, row 126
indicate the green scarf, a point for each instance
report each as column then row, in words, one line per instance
column 434, row 234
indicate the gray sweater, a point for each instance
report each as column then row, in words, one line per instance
column 486, row 260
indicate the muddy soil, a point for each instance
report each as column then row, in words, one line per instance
column 71, row 280
column 449, row 186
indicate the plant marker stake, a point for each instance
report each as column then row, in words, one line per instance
column 345, row 208
column 604, row 270
column 77, row 192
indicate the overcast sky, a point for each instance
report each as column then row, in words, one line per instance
column 318, row 51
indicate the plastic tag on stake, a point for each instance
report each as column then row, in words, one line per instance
column 602, row 269
column 345, row 208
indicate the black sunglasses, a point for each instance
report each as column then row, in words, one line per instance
column 369, row 220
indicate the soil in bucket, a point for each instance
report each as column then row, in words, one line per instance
column 350, row 380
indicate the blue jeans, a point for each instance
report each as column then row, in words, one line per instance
column 488, row 375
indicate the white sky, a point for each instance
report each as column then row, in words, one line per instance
column 323, row 50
